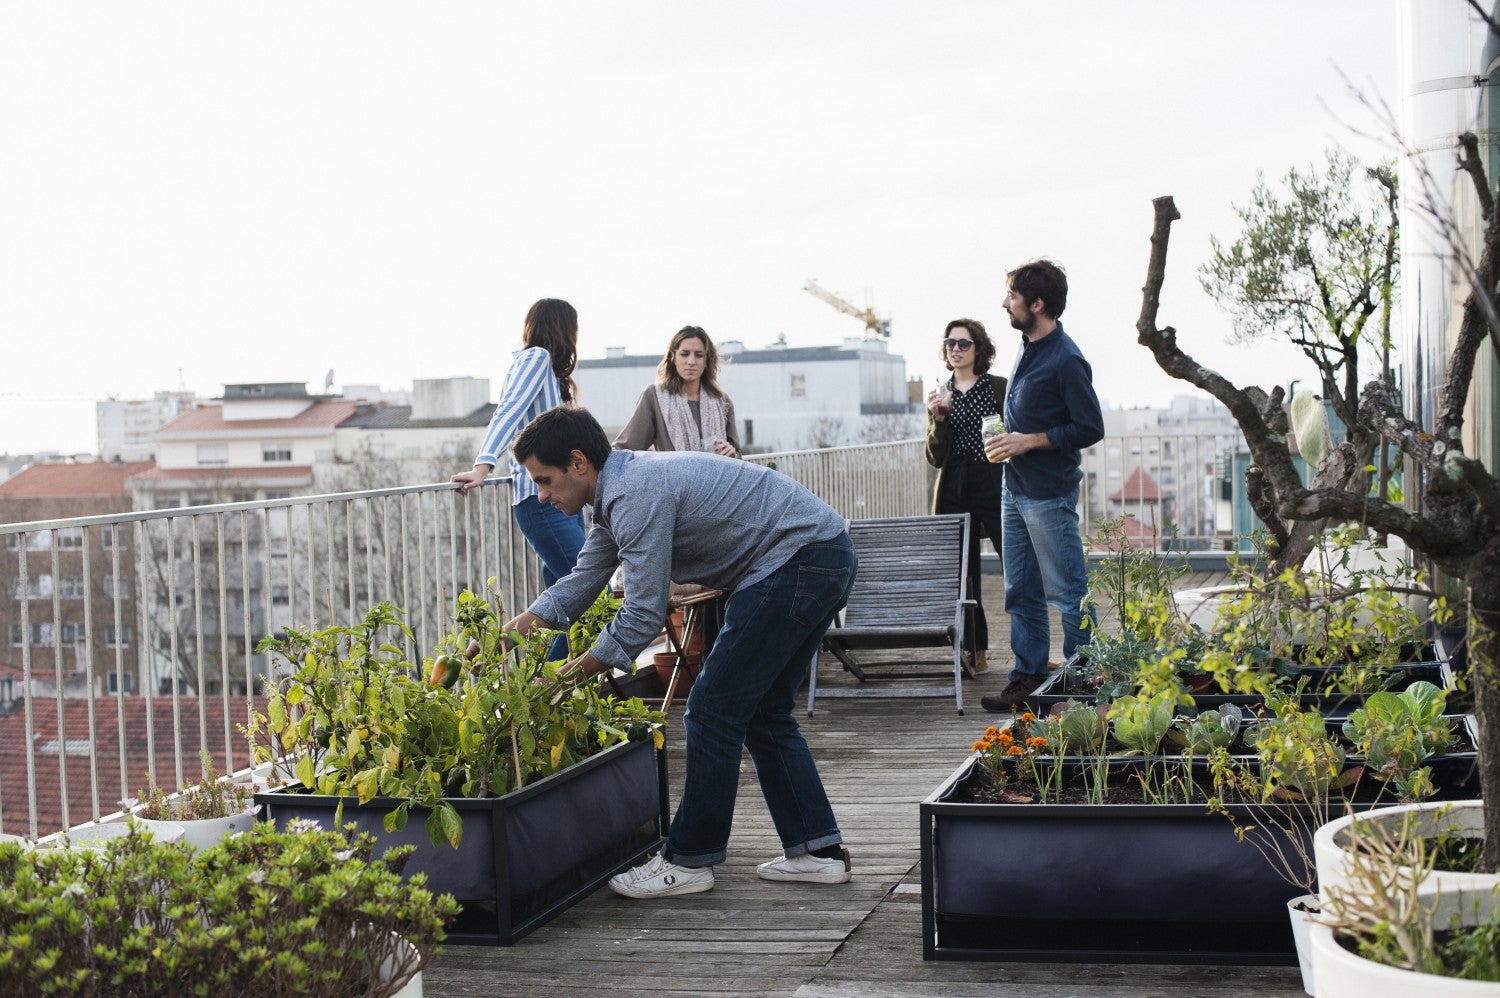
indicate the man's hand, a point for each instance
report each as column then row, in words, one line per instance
column 1005, row 446
column 472, row 478
column 522, row 623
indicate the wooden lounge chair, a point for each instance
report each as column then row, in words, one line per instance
column 911, row 592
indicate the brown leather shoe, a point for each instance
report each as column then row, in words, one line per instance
column 1014, row 695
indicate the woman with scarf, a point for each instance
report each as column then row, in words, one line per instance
column 685, row 409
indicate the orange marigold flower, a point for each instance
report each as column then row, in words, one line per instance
column 1028, row 717
column 991, row 731
column 1036, row 742
column 1015, row 750
column 979, row 746
column 1004, row 738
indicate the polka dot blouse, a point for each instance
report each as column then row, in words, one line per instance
column 968, row 409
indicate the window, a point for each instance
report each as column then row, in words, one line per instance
column 108, row 536
column 37, row 587
column 71, row 634
column 112, row 682
column 41, row 634
column 280, row 596
column 70, row 587
column 278, row 494
column 276, row 453
column 799, row 385
column 36, row 540
column 70, row 537
column 116, row 587
column 749, row 432
column 213, row 453
column 110, row 637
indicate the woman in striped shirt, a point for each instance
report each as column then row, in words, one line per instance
column 540, row 378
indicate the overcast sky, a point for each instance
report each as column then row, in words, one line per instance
column 200, row 193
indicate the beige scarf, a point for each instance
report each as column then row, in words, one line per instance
column 678, row 412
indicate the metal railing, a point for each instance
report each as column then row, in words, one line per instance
column 861, row 482
column 137, row 633
column 171, row 605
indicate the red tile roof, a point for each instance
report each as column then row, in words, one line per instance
column 104, row 752
column 71, row 481
column 209, row 419
column 1139, row 487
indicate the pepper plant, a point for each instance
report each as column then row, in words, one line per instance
column 350, row 718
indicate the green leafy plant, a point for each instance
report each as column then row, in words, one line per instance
column 348, row 718
column 1140, row 722
column 214, row 796
column 1207, row 730
column 295, row 912
column 1079, row 729
column 1338, row 612
column 1398, row 732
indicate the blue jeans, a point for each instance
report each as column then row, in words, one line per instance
column 556, row 538
column 1044, row 564
column 744, row 698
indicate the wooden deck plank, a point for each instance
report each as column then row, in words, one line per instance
column 751, row 937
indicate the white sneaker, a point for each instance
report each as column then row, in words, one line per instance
column 807, row 868
column 661, row 878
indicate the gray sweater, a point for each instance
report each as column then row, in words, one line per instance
column 683, row 517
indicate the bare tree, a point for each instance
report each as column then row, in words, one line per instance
column 826, row 431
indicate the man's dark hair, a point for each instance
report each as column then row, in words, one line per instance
column 1041, row 279
column 553, row 436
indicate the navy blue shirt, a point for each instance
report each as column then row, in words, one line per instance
column 1051, row 391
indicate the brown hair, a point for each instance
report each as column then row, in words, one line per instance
column 552, row 324
column 666, row 371
column 984, row 347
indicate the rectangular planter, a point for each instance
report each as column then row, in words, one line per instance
column 1059, row 687
column 529, row 855
column 1120, row 883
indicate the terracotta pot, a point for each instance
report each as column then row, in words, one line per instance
column 663, row 662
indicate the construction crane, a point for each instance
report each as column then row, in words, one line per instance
column 874, row 325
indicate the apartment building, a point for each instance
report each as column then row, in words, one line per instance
column 68, row 610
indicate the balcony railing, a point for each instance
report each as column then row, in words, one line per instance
column 168, row 606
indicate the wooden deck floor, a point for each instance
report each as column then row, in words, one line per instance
column 878, row 758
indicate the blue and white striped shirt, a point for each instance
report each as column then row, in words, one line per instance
column 530, row 390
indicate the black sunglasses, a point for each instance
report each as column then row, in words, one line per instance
column 952, row 344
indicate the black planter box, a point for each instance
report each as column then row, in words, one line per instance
column 1118, row 883
column 529, row 855
column 1427, row 664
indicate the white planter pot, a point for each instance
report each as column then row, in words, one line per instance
column 1301, row 910
column 1342, row 974
column 1466, row 817
column 94, row 836
column 200, row 833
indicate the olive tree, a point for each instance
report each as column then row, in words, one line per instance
column 1457, row 527
column 1316, row 263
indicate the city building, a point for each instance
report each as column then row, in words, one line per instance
column 1174, row 448
column 127, row 427
column 785, row 398
column 69, row 601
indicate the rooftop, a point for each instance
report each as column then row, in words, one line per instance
column 73, row 481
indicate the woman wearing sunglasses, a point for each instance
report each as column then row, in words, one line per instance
column 967, row 482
